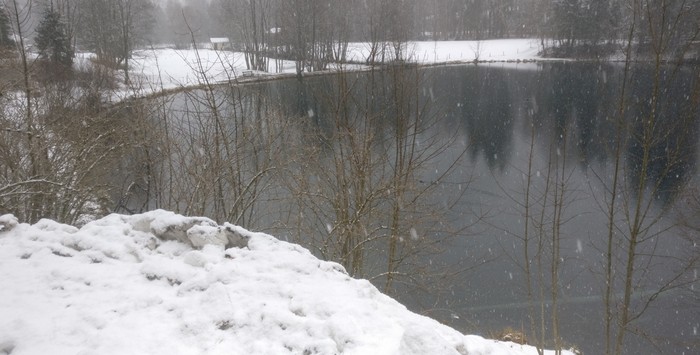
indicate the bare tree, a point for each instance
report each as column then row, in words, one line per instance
column 212, row 151
column 356, row 193
column 632, row 257
column 172, row 28
column 55, row 145
column 112, row 29
column 388, row 39
column 20, row 15
column 250, row 23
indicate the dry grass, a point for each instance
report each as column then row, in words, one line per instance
column 518, row 336
column 510, row 334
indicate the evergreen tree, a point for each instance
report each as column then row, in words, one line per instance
column 5, row 40
column 52, row 40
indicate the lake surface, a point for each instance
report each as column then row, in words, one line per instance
column 497, row 146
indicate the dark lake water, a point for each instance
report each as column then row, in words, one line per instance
column 485, row 134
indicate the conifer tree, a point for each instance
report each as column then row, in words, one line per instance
column 52, row 40
column 5, row 40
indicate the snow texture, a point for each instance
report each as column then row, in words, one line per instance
column 161, row 283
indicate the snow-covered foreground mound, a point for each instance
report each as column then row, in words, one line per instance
column 160, row 283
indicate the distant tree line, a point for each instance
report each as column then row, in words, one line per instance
column 316, row 32
column 420, row 19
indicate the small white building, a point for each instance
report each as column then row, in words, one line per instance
column 219, row 43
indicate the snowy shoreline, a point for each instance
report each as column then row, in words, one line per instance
column 163, row 71
column 158, row 72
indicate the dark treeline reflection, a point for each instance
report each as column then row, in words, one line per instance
column 580, row 103
column 489, row 105
column 470, row 193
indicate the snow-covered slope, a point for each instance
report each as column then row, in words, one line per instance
column 160, row 283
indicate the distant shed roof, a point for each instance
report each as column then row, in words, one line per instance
column 219, row 40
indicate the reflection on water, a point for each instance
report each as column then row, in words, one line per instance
column 579, row 103
column 568, row 116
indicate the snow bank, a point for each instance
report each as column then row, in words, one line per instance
column 160, row 283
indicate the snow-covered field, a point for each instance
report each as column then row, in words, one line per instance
column 157, row 69
column 160, row 283
column 432, row 52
